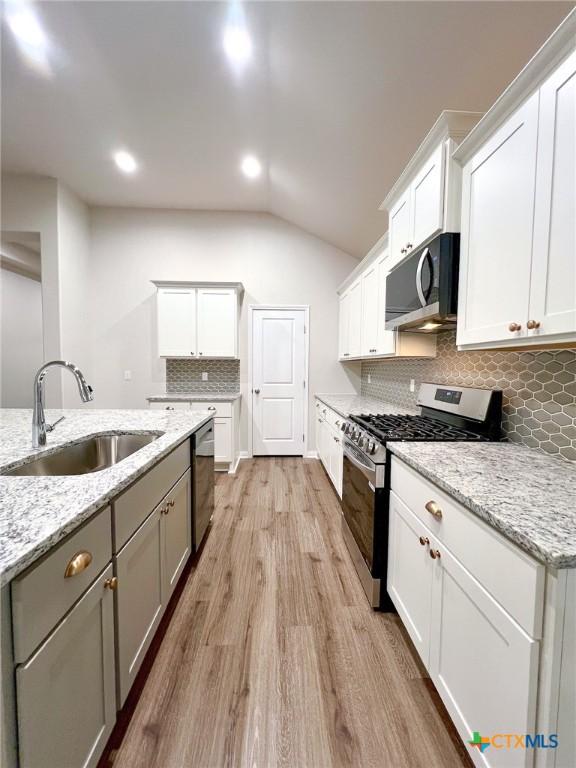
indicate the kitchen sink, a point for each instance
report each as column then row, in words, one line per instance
column 90, row 455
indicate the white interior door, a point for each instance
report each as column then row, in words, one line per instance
column 278, row 382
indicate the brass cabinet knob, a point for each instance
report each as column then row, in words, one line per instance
column 164, row 511
column 111, row 583
column 513, row 327
column 170, row 504
column 434, row 509
column 532, row 325
column 402, row 250
column 78, row 563
column 435, row 554
column 408, row 246
column 424, row 540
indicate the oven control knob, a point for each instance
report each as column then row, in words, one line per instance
column 363, row 441
column 344, row 427
column 373, row 447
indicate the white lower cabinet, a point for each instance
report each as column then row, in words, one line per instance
column 484, row 665
column 66, row 691
column 329, row 443
column 223, row 440
column 177, row 532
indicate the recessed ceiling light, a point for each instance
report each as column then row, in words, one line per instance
column 28, row 32
column 237, row 44
column 251, row 167
column 125, row 161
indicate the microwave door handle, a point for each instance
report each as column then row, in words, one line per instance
column 425, row 253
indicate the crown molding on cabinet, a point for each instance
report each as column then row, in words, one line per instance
column 239, row 287
column 379, row 246
column 452, row 124
column 560, row 43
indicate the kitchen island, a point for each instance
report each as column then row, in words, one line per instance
column 88, row 565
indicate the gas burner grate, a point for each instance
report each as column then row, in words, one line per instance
column 394, row 427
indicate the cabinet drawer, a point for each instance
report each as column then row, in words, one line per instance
column 512, row 577
column 43, row 594
column 334, row 419
column 171, row 405
column 135, row 504
column 216, row 408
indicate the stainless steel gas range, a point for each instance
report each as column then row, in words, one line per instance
column 447, row 414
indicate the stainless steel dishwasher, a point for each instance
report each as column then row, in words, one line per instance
column 203, row 481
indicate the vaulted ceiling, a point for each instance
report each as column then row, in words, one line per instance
column 334, row 100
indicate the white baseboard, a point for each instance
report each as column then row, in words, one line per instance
column 312, row 455
column 234, row 466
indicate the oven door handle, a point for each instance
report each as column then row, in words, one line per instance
column 368, row 472
column 421, row 296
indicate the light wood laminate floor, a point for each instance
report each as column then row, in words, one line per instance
column 273, row 656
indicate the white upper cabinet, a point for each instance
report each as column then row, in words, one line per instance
column 517, row 263
column 362, row 321
column 553, row 284
column 497, row 216
column 426, row 198
column 370, row 288
column 197, row 320
column 217, row 319
column 176, row 322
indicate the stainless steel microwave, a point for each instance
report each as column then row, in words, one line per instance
column 422, row 291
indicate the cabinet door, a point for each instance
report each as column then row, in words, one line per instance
column 217, row 318
column 177, row 322
column 140, row 597
column 65, row 692
column 176, row 532
column 410, row 574
column 343, row 326
column 355, row 320
column 553, row 286
column 369, row 291
column 497, row 225
column 223, row 440
column 427, row 203
column 400, row 227
column 484, row 666
column 386, row 339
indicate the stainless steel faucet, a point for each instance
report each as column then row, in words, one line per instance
column 39, row 426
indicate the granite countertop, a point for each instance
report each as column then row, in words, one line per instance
column 354, row 405
column 199, row 397
column 528, row 496
column 37, row 512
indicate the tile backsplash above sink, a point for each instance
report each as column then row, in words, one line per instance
column 539, row 388
column 186, row 375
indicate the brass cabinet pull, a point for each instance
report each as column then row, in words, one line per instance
column 111, row 583
column 424, row 540
column 434, row 509
column 513, row 327
column 532, row 325
column 435, row 554
column 78, row 563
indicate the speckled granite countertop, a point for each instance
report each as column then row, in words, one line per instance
column 37, row 512
column 527, row 496
column 354, row 405
column 198, row 397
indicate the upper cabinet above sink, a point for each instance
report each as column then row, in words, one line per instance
column 198, row 319
column 426, row 198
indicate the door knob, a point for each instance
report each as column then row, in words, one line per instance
column 256, row 391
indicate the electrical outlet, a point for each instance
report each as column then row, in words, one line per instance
column 204, row 376
column 369, row 379
column 412, row 385
column 127, row 375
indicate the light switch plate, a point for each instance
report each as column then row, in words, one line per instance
column 127, row 375
column 412, row 385
column 204, row 376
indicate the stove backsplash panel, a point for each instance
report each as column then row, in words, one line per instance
column 186, row 375
column 539, row 388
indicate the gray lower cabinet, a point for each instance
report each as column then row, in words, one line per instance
column 66, row 691
column 177, row 532
column 140, row 596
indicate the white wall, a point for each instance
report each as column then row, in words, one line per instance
column 21, row 340
column 276, row 262
column 74, row 265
